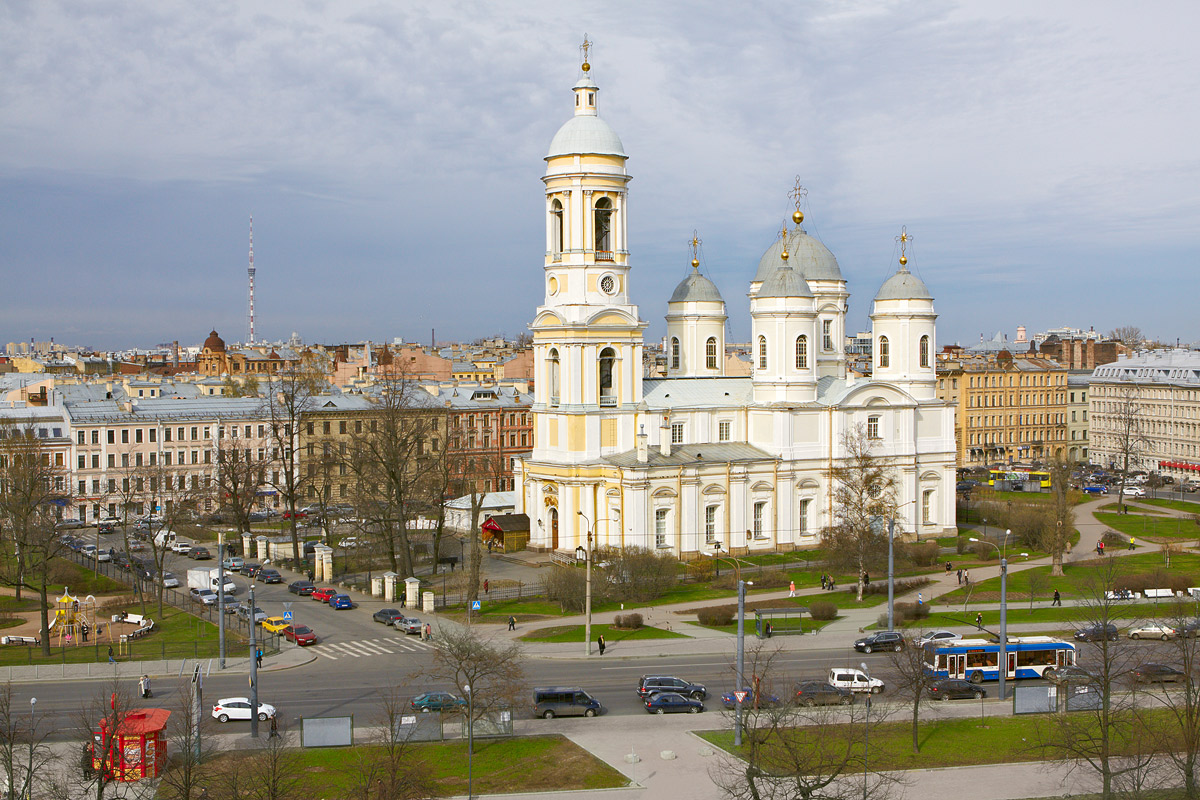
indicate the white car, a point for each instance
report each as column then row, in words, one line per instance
column 169, row 580
column 239, row 708
column 938, row 636
column 182, row 546
column 855, row 680
column 1133, row 491
column 350, row 541
column 1153, row 631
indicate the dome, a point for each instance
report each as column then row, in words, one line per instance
column 214, row 343
column 697, row 288
column 586, row 135
column 903, row 286
column 806, row 255
column 784, row 282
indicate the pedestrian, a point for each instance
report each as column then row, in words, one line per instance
column 979, row 621
column 600, row 643
column 68, row 640
column 486, row 586
column 258, row 658
column 949, row 567
column 83, row 630
column 428, row 632
column 1057, row 599
column 920, row 599
column 832, row 583
column 1131, row 546
column 960, row 576
column 768, row 630
column 967, row 577
column 512, row 623
column 111, row 660
column 824, row 581
column 142, row 686
column 792, row 589
column 866, row 579
column 274, row 729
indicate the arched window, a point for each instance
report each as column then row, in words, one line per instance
column 925, row 353
column 603, row 227
column 674, row 353
column 762, row 352
column 607, row 396
column 553, row 377
column 801, row 352
column 885, row 353
column 710, row 353
column 556, row 228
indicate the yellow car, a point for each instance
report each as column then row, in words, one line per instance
column 275, row 624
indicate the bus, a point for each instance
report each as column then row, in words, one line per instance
column 1018, row 478
column 976, row 659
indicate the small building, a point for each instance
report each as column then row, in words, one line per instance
column 137, row 748
column 509, row 532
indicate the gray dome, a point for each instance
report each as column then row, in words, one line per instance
column 903, row 286
column 784, row 282
column 805, row 254
column 698, row 288
column 586, row 134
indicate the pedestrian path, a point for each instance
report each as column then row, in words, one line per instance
column 360, row 648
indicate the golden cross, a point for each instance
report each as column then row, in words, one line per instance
column 798, row 193
column 783, row 231
column 695, row 244
column 583, row 48
column 903, row 239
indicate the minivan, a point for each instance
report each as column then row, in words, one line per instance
column 561, row 701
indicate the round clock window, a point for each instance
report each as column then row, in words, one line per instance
column 608, row 284
column 553, row 285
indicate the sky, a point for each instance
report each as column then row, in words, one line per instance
column 1042, row 155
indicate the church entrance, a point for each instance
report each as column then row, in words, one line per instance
column 554, row 529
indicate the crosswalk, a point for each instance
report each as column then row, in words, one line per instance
column 370, row 647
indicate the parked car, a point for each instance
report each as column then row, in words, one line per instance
column 437, row 701
column 300, row 634
column 1096, row 489
column 819, row 693
column 274, row 624
column 182, row 546
column 296, row 515
column 269, row 575
column 1153, row 631
column 259, row 615
column 1097, row 632
column 239, row 708
column 1190, row 628
column 1157, row 673
column 954, row 689
column 564, row 701
column 323, row 595
column 1190, row 486
column 234, row 563
column 387, row 615
column 938, row 636
column 855, row 680
column 729, row 700
column 250, row 569
column 1133, row 491
column 341, row 601
column 1068, row 674
column 649, row 684
column 206, row 596
column 169, row 581
column 884, row 640
column 302, row 587
column 69, row 525
column 199, row 553
column 408, row 625
column 672, row 703
column 107, row 526
column 350, row 542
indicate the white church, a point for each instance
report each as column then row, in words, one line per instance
column 697, row 459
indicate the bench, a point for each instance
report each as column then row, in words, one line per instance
column 1124, row 594
column 23, row 640
column 1158, row 594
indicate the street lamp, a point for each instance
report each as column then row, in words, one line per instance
column 253, row 667
column 587, row 601
column 866, row 727
column 470, row 741
column 32, row 738
column 741, row 642
column 1003, row 659
column 892, row 566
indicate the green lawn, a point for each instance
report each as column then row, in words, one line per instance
column 1067, row 618
column 574, row 633
column 1144, row 526
column 1115, row 508
column 1178, row 505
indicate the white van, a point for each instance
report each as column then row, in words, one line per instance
column 165, row 539
column 855, row 680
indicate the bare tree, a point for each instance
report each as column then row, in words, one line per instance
column 273, row 771
column 864, row 498
column 1129, row 335
column 101, row 715
column 1056, row 536
column 24, row 755
column 184, row 776
column 1127, row 433
column 391, row 769
column 241, row 470
column 492, row 668
column 913, row 681
column 1178, row 737
column 290, row 395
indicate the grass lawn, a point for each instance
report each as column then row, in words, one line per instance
column 1115, row 508
column 1144, row 526
column 809, row 624
column 524, row 764
column 574, row 633
column 1177, row 505
column 1067, row 618
column 82, row 581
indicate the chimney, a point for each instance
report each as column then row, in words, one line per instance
column 643, row 447
column 664, row 436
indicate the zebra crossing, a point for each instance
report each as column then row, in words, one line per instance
column 360, row 648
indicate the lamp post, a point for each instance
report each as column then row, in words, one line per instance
column 27, row 792
column 741, row 642
column 253, row 669
column 470, row 741
column 1003, row 660
column 866, row 728
column 892, row 566
column 587, row 599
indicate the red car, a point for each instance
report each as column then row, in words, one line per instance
column 300, row 634
column 297, row 515
column 322, row 595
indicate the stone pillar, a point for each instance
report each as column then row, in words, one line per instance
column 412, row 592
column 247, row 540
column 389, row 586
column 322, row 563
column 261, row 542
column 377, row 586
column 427, row 604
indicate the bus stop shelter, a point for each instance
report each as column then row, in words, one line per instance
column 770, row 622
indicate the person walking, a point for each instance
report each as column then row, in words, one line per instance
column 824, row 581
column 258, row 658
column 111, row 660
column 600, row 643
column 960, row 576
column 967, row 577
column 487, row 586
column 428, row 632
column 142, row 686
column 949, row 567
column 1131, row 547
column 274, row 729
column 512, row 623
column 792, row 589
column 866, row 578
column 979, row 621
column 1057, row 599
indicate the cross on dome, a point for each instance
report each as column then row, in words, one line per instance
column 695, row 250
column 903, row 239
column 798, row 194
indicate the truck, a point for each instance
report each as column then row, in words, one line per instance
column 207, row 578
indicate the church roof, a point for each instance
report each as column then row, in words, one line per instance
column 692, row 454
column 806, row 255
column 696, row 287
column 586, row 135
column 903, row 286
column 784, row 282
column 665, row 393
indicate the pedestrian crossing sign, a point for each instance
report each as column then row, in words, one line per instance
column 287, row 616
column 475, row 605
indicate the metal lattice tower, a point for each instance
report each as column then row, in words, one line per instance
column 250, row 272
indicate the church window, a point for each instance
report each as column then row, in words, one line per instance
column 608, row 397
column 873, row 426
column 760, row 513
column 723, row 431
column 674, row 352
column 827, row 334
column 885, row 353
column 927, row 507
column 676, row 433
column 556, row 229
column 804, row 526
column 660, row 527
column 710, row 524
column 801, row 352
column 762, row 352
column 591, row 98
column 553, row 377
column 925, row 354
column 603, row 229
column 710, row 353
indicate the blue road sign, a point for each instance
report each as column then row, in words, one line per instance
column 287, row 616
column 475, row 605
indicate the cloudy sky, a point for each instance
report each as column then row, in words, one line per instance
column 1042, row 154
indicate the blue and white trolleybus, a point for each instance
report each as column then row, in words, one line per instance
column 977, row 660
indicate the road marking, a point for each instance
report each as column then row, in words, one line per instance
column 371, row 645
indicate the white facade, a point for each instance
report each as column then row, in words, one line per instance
column 694, row 459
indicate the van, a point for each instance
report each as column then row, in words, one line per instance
column 165, row 539
column 562, row 701
column 855, row 680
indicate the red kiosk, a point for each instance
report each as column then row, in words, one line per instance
column 138, row 746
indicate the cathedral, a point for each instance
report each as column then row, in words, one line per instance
column 698, row 461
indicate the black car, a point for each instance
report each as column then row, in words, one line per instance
column 387, row 615
column 650, row 684
column 1157, row 673
column 672, row 703
column 819, row 693
column 884, row 640
column 199, row 553
column 268, row 575
column 1097, row 632
column 107, row 527
column 250, row 570
column 954, row 689
column 764, row 700
column 1190, row 628
column 1068, row 675
column 302, row 587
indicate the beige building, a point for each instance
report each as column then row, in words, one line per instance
column 1078, row 425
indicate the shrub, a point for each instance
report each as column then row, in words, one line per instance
column 922, row 554
column 822, row 610
column 903, row 585
column 700, row 570
column 984, row 551
column 628, row 622
column 715, row 616
column 912, row 611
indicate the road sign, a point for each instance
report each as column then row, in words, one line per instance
column 740, row 696
column 475, row 605
column 287, row 616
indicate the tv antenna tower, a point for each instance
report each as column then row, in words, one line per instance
column 250, row 273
